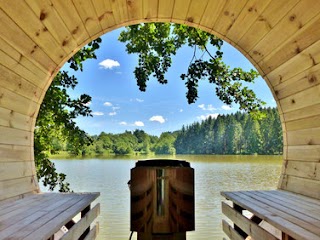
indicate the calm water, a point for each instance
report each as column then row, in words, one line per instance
column 212, row 175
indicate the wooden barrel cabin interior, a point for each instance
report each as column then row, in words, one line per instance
column 281, row 38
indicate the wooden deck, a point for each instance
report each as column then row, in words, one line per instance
column 296, row 216
column 40, row 216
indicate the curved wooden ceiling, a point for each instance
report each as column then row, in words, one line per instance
column 280, row 37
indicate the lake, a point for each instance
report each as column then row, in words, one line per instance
column 213, row 174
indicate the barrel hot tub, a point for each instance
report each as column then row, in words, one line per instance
column 162, row 199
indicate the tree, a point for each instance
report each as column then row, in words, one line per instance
column 156, row 43
column 219, row 129
column 233, row 135
column 252, row 136
column 143, row 141
column 165, row 144
column 106, row 141
column 277, row 138
column 56, row 120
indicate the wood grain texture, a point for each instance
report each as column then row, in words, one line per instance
column 165, row 9
column 195, row 12
column 304, row 153
column 228, row 16
column 306, row 98
column 15, row 170
column 93, row 232
column 47, row 213
column 88, row 15
column 181, row 8
column 303, row 186
column 36, row 74
column 309, row 170
column 76, row 231
column 248, row 16
column 248, row 226
column 72, row 20
column 15, row 153
column 231, row 233
column 54, row 24
column 150, row 9
column 211, row 13
column 15, row 187
column 267, row 20
column 290, row 23
column 105, row 13
column 281, row 38
column 25, row 18
column 309, row 136
column 283, row 211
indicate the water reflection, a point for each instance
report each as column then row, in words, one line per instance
column 212, row 175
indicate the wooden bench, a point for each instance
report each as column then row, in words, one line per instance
column 294, row 216
column 44, row 216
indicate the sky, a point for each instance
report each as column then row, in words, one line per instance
column 118, row 104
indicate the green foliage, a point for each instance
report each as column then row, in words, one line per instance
column 237, row 133
column 165, row 144
column 55, row 122
column 157, row 43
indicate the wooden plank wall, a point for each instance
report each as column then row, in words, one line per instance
column 280, row 37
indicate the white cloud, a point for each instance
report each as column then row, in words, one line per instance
column 201, row 106
column 181, row 110
column 138, row 124
column 112, row 113
column 108, row 104
column 109, row 64
column 115, row 108
column 87, row 104
column 226, row 107
column 209, row 107
column 97, row 113
column 159, row 119
column 136, row 100
column 204, row 117
column 123, row 123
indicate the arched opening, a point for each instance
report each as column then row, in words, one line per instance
column 114, row 213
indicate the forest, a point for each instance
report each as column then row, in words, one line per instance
column 237, row 133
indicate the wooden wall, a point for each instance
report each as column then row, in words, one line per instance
column 280, row 37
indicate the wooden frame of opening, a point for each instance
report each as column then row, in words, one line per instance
column 280, row 37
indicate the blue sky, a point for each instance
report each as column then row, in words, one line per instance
column 118, row 105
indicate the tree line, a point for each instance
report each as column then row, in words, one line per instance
column 237, row 133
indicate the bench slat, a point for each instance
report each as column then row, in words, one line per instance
column 78, row 229
column 286, row 211
column 44, row 216
column 299, row 197
column 14, row 222
column 231, row 233
column 93, row 232
column 52, row 222
column 39, row 216
column 8, row 206
column 295, row 201
column 10, row 214
column 287, row 223
column 295, row 208
column 249, row 227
